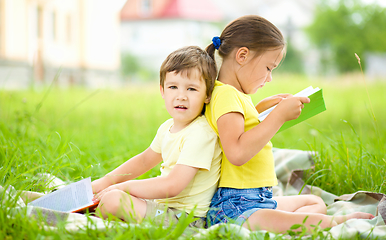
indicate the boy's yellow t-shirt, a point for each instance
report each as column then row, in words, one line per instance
column 197, row 146
column 260, row 170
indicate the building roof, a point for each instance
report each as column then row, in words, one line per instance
column 200, row 10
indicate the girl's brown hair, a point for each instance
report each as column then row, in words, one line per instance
column 251, row 31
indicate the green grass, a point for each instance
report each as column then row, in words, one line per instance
column 77, row 133
column 350, row 141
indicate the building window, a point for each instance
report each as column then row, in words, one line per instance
column 2, row 23
column 39, row 27
column 68, row 28
column 145, row 7
column 54, row 22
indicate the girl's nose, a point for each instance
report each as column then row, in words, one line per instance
column 269, row 77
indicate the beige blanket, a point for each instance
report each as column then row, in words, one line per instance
column 289, row 168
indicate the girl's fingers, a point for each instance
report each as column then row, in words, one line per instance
column 304, row 99
column 284, row 95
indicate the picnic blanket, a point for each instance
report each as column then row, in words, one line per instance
column 290, row 166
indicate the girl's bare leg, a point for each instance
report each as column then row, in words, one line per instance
column 278, row 221
column 301, row 203
column 313, row 204
column 356, row 215
column 122, row 205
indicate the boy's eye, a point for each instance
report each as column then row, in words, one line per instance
column 192, row 89
column 269, row 69
column 172, row 87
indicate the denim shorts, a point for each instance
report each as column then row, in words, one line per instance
column 237, row 205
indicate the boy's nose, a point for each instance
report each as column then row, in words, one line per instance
column 181, row 96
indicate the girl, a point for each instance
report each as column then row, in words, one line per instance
column 250, row 48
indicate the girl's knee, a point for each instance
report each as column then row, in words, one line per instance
column 315, row 199
column 318, row 202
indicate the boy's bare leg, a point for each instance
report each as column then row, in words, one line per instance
column 301, row 203
column 121, row 205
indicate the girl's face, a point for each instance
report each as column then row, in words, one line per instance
column 258, row 70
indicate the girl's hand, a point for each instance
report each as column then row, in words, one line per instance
column 271, row 101
column 291, row 107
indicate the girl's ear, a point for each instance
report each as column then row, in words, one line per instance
column 207, row 100
column 161, row 89
column 242, row 55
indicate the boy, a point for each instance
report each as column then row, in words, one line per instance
column 185, row 143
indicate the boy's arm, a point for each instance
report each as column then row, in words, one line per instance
column 158, row 187
column 131, row 169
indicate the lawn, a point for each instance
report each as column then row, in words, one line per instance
column 77, row 133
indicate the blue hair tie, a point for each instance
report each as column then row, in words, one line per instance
column 216, row 42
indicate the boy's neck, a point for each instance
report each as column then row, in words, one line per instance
column 178, row 126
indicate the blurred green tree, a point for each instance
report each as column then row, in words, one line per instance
column 344, row 27
column 133, row 70
column 129, row 65
column 293, row 62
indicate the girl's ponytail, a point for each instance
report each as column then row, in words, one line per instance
column 216, row 43
column 210, row 49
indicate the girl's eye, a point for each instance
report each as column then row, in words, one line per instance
column 269, row 69
column 173, row 87
column 191, row 89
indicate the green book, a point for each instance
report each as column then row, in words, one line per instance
column 311, row 109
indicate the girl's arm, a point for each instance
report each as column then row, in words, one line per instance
column 131, row 169
column 239, row 146
column 158, row 187
column 271, row 101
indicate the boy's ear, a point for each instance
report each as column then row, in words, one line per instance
column 242, row 55
column 161, row 89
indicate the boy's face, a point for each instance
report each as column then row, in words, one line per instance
column 184, row 97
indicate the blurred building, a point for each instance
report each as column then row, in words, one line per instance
column 290, row 16
column 39, row 37
column 375, row 65
column 151, row 29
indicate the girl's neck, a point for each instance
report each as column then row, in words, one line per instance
column 227, row 74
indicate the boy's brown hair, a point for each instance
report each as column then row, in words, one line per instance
column 188, row 58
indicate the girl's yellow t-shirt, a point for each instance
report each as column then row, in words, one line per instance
column 260, row 170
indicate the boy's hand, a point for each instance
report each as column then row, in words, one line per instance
column 100, row 184
column 291, row 107
column 271, row 101
column 98, row 196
